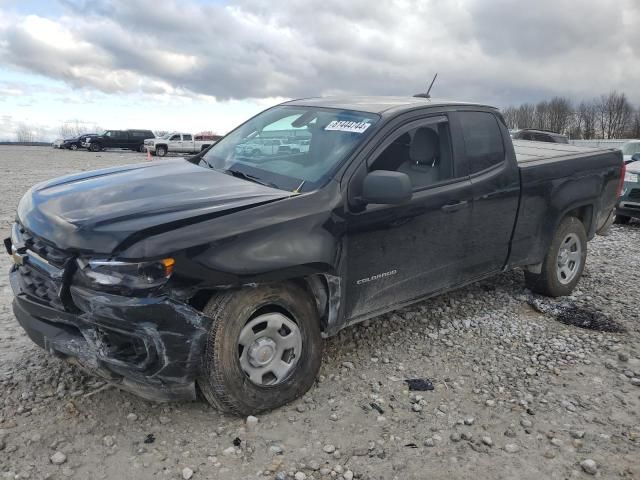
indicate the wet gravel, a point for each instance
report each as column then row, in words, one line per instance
column 516, row 393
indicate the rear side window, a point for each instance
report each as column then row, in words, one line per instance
column 482, row 140
column 186, row 137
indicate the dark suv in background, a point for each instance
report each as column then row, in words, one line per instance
column 76, row 142
column 539, row 136
column 129, row 139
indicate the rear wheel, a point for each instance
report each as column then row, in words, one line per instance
column 264, row 348
column 161, row 150
column 142, row 148
column 95, row 147
column 622, row 219
column 564, row 262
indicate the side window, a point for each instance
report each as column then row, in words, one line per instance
column 187, row 137
column 109, row 134
column 120, row 134
column 423, row 153
column 482, row 140
column 174, row 138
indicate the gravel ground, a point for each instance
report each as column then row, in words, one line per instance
column 518, row 394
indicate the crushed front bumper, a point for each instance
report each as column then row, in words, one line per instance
column 149, row 346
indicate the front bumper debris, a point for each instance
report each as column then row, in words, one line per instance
column 149, row 346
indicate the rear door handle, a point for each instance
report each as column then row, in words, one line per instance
column 454, row 206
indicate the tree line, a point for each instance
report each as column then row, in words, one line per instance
column 608, row 116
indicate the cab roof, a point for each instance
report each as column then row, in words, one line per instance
column 379, row 105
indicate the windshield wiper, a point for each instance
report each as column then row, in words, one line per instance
column 248, row 176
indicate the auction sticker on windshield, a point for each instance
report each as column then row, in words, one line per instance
column 347, row 126
column 631, row 177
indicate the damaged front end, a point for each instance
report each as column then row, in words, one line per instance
column 147, row 343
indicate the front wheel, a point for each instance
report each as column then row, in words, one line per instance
column 264, row 348
column 95, row 147
column 564, row 262
column 74, row 146
column 161, row 151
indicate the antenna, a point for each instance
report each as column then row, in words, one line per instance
column 428, row 94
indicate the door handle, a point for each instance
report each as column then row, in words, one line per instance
column 455, row 206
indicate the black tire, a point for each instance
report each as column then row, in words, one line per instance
column 223, row 382
column 161, row 150
column 622, row 219
column 74, row 146
column 142, row 148
column 548, row 282
column 95, row 147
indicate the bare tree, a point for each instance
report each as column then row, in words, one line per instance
column 526, row 115
column 559, row 113
column 614, row 113
column 588, row 118
column 542, row 118
column 75, row 128
column 510, row 115
column 634, row 125
column 25, row 133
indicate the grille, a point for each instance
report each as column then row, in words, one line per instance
column 635, row 194
column 51, row 254
column 39, row 286
column 43, row 284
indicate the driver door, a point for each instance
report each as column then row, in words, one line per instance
column 399, row 253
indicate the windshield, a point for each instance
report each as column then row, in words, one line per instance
column 291, row 148
column 631, row 148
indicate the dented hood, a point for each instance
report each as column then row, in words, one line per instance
column 97, row 211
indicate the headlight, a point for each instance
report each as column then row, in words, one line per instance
column 128, row 276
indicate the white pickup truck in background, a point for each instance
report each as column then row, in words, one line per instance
column 177, row 142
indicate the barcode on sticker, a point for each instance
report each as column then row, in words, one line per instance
column 347, row 126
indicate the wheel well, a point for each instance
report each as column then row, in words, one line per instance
column 317, row 286
column 584, row 214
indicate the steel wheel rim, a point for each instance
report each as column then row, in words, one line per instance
column 269, row 347
column 569, row 259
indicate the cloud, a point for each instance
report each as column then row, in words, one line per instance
column 498, row 51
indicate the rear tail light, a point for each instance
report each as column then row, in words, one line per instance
column 623, row 172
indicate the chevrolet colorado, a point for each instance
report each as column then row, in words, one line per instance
column 223, row 272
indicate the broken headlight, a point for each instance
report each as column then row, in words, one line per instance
column 130, row 276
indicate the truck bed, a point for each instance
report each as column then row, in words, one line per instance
column 528, row 151
column 553, row 177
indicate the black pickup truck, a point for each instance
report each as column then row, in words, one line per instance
column 225, row 270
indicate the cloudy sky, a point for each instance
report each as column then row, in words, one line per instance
column 208, row 64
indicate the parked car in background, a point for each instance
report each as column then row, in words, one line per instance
column 226, row 270
column 206, row 137
column 76, row 142
column 177, row 142
column 129, row 139
column 263, row 146
column 630, row 149
column 539, row 136
column 628, row 206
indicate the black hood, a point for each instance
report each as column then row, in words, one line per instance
column 96, row 211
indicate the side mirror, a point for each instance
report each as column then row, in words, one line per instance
column 635, row 158
column 386, row 187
